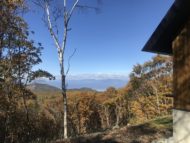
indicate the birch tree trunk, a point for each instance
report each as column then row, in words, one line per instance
column 64, row 94
column 61, row 49
column 67, row 14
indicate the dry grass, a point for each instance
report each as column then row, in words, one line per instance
column 142, row 133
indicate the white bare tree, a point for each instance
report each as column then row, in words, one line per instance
column 52, row 13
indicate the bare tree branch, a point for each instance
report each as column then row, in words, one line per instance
column 38, row 3
column 59, row 49
column 88, row 7
column 72, row 9
column 70, row 57
column 50, row 26
column 67, row 18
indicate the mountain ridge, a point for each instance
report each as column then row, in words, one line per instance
column 42, row 87
column 95, row 84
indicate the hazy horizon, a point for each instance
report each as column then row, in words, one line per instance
column 99, row 82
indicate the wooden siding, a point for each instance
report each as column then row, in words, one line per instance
column 181, row 53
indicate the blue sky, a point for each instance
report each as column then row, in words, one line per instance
column 109, row 42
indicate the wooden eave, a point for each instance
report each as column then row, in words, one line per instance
column 168, row 29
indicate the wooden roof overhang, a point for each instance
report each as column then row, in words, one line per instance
column 170, row 26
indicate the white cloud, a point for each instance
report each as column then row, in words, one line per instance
column 91, row 76
column 98, row 76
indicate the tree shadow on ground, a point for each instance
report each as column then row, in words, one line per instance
column 89, row 139
column 144, row 129
column 141, row 133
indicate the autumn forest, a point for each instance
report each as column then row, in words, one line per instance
column 28, row 115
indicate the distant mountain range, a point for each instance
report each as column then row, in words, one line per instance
column 81, row 89
column 99, row 82
column 99, row 85
column 45, row 88
column 38, row 87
